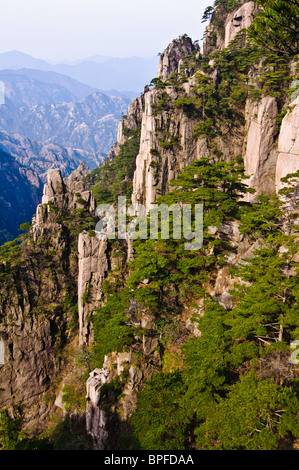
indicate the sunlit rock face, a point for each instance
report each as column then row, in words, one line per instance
column 93, row 266
column 260, row 152
column 238, row 20
column 288, row 144
column 170, row 59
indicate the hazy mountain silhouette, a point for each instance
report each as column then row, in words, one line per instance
column 121, row 74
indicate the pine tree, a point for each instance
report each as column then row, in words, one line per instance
column 276, row 27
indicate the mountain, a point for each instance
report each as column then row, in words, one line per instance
column 121, row 74
column 20, row 192
column 40, row 157
column 19, row 60
column 22, row 90
column 43, row 125
column 89, row 124
column 28, row 87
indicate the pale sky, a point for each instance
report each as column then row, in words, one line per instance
column 60, row 30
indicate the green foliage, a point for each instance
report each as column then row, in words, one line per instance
column 157, row 83
column 207, row 14
column 25, row 227
column 73, row 399
column 253, row 416
column 172, row 271
column 173, row 274
column 10, row 430
column 12, row 437
column 267, row 310
column 163, row 103
column 69, row 434
column 291, row 187
column 10, row 251
column 114, row 178
column 262, row 219
column 216, row 185
column 229, row 394
column 113, row 390
column 161, row 420
column 216, row 104
column 110, row 326
column 274, row 78
column 276, row 26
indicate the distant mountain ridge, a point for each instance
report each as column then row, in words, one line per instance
column 40, row 157
column 42, row 87
column 51, row 120
column 22, row 90
column 18, row 196
column 121, row 74
column 89, row 124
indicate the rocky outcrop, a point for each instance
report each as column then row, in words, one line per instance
column 37, row 299
column 29, row 364
column 104, row 423
column 143, row 183
column 28, row 342
column 155, row 165
column 224, row 26
column 260, row 150
column 238, row 20
column 129, row 122
column 171, row 57
column 65, row 194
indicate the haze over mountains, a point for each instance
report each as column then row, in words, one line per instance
column 29, row 87
column 56, row 116
column 103, row 73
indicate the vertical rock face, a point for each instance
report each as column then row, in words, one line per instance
column 96, row 419
column 103, row 423
column 54, row 186
column 63, row 194
column 28, row 364
column 219, row 35
column 238, row 20
column 27, row 341
column 155, row 165
column 288, row 144
column 93, row 266
column 134, row 116
column 92, row 253
column 260, row 153
column 143, row 183
column 130, row 121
